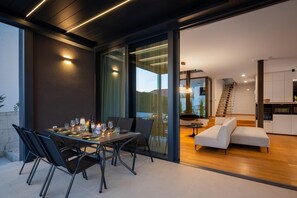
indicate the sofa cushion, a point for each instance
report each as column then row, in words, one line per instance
column 212, row 137
column 217, row 136
column 231, row 124
column 253, row 136
column 219, row 120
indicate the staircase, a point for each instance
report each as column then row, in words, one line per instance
column 225, row 105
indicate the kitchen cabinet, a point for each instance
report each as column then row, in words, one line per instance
column 282, row 124
column 288, row 91
column 294, row 124
column 268, row 126
column 278, row 86
column 278, row 91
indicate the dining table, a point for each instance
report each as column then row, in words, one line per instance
column 100, row 142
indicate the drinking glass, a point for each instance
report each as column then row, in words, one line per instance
column 110, row 125
column 82, row 123
column 76, row 121
column 66, row 126
column 117, row 130
column 55, row 128
column 72, row 124
column 103, row 128
column 98, row 129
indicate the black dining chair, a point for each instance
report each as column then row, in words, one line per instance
column 114, row 120
column 71, row 166
column 39, row 152
column 32, row 151
column 144, row 127
column 125, row 124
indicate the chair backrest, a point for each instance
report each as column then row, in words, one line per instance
column 144, row 127
column 51, row 150
column 113, row 119
column 126, row 123
column 34, row 141
column 22, row 136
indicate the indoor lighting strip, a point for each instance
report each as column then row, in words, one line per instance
column 149, row 49
column 36, row 7
column 154, row 57
column 97, row 16
column 161, row 63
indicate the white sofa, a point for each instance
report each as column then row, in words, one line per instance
column 219, row 135
column 252, row 136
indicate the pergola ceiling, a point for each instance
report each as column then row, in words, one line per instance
column 61, row 15
column 134, row 15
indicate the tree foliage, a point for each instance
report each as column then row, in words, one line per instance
column 2, row 98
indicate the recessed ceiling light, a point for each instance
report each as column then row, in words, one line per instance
column 245, row 81
column 35, row 8
column 242, row 75
column 248, row 89
column 97, row 16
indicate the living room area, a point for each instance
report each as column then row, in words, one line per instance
column 218, row 84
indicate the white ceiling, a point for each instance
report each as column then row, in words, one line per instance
column 230, row 47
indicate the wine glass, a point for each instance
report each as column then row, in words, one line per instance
column 72, row 124
column 103, row 128
column 110, row 125
column 76, row 121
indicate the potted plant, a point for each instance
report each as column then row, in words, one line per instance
column 201, row 108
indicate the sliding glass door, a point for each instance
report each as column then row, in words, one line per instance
column 149, row 64
column 112, row 84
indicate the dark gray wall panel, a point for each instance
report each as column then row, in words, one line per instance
column 61, row 92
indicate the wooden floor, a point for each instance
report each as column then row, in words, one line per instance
column 279, row 165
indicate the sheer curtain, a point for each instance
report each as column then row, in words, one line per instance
column 112, row 84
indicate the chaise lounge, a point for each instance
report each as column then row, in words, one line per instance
column 217, row 136
column 225, row 131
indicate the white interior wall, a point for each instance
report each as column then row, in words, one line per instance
column 244, row 99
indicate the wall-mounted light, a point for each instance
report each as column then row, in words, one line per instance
column 114, row 71
column 67, row 60
column 35, row 8
column 97, row 16
column 245, row 81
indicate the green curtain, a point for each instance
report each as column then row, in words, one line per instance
column 112, row 86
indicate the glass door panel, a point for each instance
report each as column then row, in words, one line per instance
column 150, row 62
column 112, row 84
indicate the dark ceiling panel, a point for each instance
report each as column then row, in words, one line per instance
column 58, row 16
column 53, row 8
column 129, row 19
column 85, row 12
